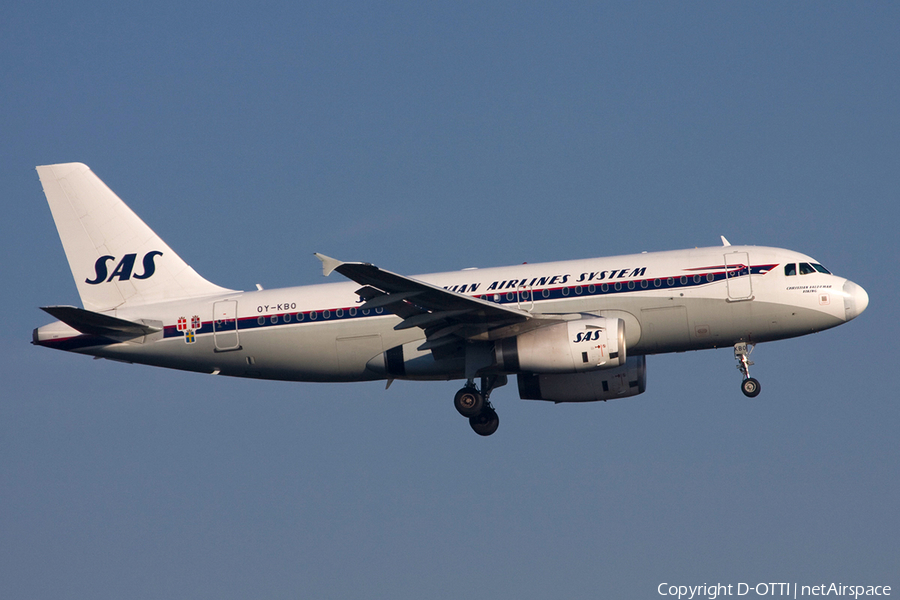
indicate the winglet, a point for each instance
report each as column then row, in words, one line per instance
column 328, row 264
column 724, row 241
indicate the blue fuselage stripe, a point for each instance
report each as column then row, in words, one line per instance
column 505, row 297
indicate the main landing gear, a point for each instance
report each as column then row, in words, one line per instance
column 475, row 406
column 749, row 386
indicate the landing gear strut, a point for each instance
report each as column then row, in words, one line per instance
column 475, row 406
column 749, row 386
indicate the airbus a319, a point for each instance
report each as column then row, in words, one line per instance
column 571, row 331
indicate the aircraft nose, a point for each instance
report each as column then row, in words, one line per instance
column 855, row 300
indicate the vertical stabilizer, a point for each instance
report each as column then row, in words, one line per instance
column 115, row 258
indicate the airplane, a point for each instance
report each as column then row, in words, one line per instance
column 570, row 331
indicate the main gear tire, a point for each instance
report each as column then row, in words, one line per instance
column 485, row 423
column 468, row 402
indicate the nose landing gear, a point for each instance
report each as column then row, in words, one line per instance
column 749, row 385
column 476, row 407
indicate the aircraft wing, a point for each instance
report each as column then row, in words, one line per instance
column 446, row 317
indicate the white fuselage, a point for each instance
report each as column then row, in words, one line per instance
column 669, row 301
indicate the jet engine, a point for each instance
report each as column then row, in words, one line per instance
column 590, row 386
column 570, row 347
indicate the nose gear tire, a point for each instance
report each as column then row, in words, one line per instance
column 750, row 387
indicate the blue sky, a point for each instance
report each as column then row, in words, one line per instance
column 425, row 137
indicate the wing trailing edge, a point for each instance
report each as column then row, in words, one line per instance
column 445, row 316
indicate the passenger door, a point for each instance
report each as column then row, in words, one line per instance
column 737, row 276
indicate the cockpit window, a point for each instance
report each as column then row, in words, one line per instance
column 805, row 269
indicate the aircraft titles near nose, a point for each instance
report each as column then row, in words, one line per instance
column 808, row 288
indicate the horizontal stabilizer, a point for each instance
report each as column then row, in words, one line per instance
column 93, row 323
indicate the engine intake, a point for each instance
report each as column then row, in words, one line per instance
column 570, row 347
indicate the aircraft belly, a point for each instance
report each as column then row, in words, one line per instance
column 172, row 353
column 666, row 328
column 320, row 352
column 307, row 352
column 355, row 351
column 699, row 323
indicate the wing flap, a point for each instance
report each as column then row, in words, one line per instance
column 388, row 299
column 427, row 319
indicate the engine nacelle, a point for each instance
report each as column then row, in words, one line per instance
column 570, row 347
column 624, row 381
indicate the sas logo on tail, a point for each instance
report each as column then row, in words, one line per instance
column 124, row 268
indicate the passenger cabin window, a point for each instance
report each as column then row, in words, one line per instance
column 790, row 269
